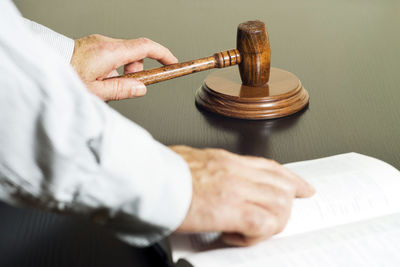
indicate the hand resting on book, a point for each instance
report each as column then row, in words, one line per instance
column 248, row 199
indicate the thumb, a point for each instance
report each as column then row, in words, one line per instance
column 117, row 89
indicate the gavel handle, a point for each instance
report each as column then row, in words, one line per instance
column 218, row 60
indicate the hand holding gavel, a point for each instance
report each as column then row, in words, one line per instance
column 252, row 55
column 97, row 57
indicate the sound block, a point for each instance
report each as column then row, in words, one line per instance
column 223, row 93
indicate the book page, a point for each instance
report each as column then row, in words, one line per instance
column 370, row 243
column 350, row 187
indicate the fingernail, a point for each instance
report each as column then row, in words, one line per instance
column 139, row 89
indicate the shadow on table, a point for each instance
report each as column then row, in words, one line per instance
column 252, row 135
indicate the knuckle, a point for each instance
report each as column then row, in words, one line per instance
column 116, row 89
column 144, row 40
column 274, row 164
column 254, row 222
column 96, row 36
column 222, row 154
column 213, row 153
column 289, row 189
column 283, row 202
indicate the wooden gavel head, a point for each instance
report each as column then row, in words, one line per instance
column 255, row 53
column 261, row 92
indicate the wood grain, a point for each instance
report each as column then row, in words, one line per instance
column 253, row 44
column 218, row 60
column 223, row 93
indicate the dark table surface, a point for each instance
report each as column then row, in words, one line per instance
column 347, row 57
column 346, row 54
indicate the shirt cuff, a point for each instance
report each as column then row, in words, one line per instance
column 166, row 182
column 63, row 45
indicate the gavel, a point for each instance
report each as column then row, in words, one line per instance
column 261, row 92
column 252, row 54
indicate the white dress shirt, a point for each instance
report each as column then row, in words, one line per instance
column 63, row 149
column 63, row 45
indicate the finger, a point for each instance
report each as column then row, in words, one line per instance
column 251, row 221
column 234, row 239
column 240, row 163
column 133, row 67
column 284, row 178
column 271, row 198
column 138, row 49
column 303, row 188
column 249, row 161
column 276, row 176
column 117, row 89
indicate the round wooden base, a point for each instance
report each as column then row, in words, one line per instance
column 223, row 93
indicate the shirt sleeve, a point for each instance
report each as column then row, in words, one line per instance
column 63, row 45
column 63, row 149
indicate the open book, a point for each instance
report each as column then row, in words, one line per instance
column 352, row 220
